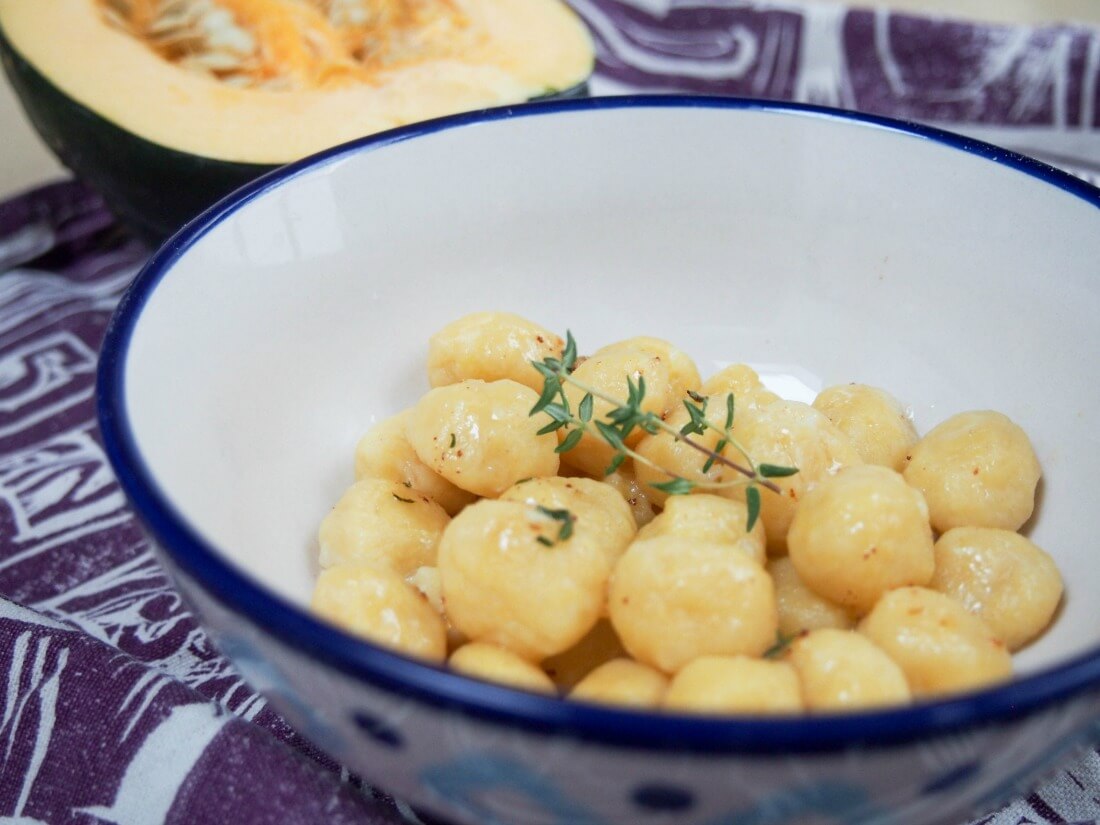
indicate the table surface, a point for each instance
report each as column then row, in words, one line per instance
column 25, row 162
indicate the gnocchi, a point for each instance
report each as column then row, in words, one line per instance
column 873, row 420
column 498, row 664
column 937, row 643
column 840, row 669
column 383, row 522
column 480, row 437
column 1014, row 586
column 735, row 684
column 574, row 526
column 602, row 516
column 976, row 469
column 859, row 534
column 673, row 599
column 490, row 346
column 384, row 452
column 743, row 383
column 622, row 682
column 378, row 604
column 708, row 518
column 682, row 372
column 502, row 585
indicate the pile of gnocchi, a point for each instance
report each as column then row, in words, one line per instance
column 888, row 568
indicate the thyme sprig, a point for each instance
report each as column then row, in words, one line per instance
column 627, row 416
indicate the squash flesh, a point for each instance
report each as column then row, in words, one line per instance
column 251, row 43
column 307, row 88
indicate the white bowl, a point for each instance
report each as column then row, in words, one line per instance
column 822, row 247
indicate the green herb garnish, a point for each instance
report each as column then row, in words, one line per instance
column 564, row 518
column 781, row 644
column 627, row 416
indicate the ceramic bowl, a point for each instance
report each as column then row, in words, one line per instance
column 822, row 247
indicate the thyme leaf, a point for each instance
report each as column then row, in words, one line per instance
column 565, row 520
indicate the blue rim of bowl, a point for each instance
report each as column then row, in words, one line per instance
column 427, row 683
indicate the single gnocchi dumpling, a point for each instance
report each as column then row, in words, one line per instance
column 735, row 684
column 844, row 670
column 674, row 456
column 633, row 491
column 490, row 346
column 379, row 605
column 608, row 373
column 709, row 518
column 382, row 522
column 622, row 682
column 601, row 515
column 937, row 643
column 673, row 599
column 385, row 453
column 874, row 420
column 497, row 664
column 976, row 469
column 510, row 579
column 859, row 534
column 800, row 608
column 791, row 434
column 683, row 374
column 1001, row 576
column 742, row 380
column 481, row 437
column 599, row 646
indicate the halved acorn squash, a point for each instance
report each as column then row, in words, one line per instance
column 166, row 105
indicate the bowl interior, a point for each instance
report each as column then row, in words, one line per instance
column 820, row 249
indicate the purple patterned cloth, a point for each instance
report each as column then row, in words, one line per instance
column 115, row 707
